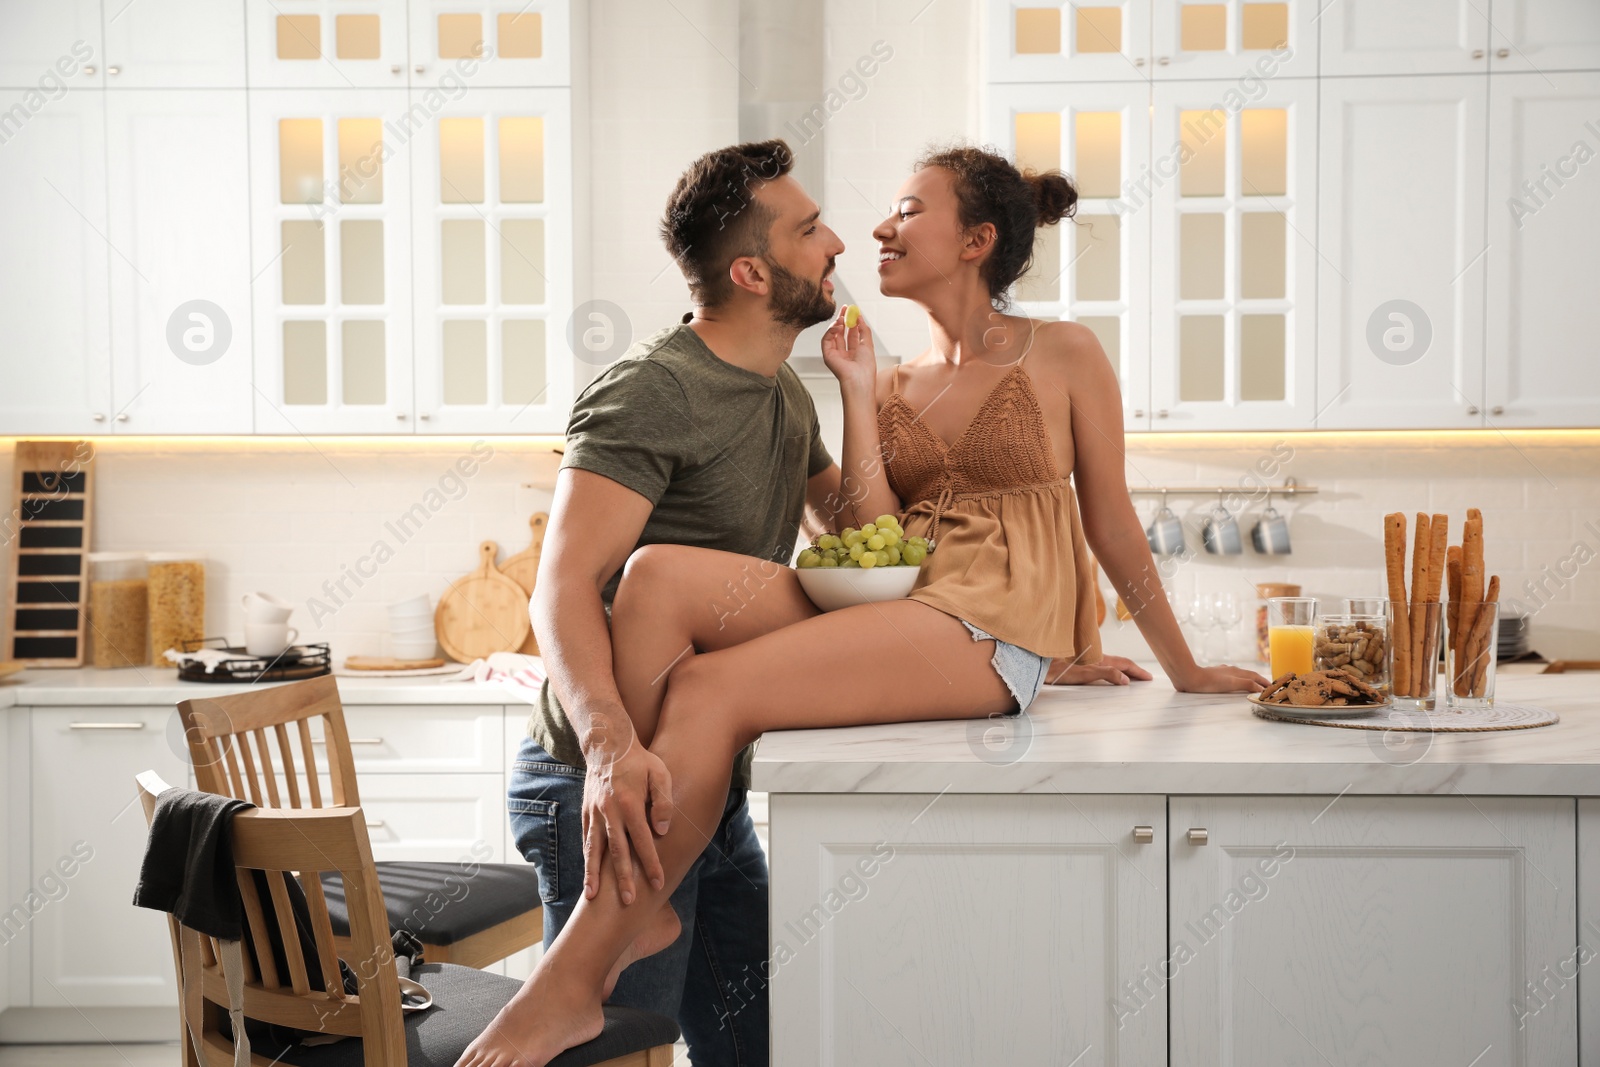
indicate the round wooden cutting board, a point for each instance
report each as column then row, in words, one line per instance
column 523, row 568
column 484, row 612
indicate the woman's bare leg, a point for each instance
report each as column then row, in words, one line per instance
column 924, row 665
column 675, row 601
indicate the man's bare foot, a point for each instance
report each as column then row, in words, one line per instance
column 535, row 1027
column 662, row 932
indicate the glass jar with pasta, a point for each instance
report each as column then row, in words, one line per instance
column 177, row 603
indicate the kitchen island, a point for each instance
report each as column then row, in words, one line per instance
column 1125, row 873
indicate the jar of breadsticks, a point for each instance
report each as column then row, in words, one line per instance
column 1358, row 643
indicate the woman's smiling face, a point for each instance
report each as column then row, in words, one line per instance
column 921, row 242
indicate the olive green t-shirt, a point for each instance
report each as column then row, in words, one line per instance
column 722, row 452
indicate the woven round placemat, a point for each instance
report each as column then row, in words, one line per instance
column 1441, row 720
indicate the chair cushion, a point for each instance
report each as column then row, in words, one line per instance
column 441, row 903
column 465, row 1001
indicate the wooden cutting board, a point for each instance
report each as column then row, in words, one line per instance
column 389, row 663
column 483, row 613
column 523, row 568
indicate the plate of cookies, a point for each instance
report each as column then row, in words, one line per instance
column 1335, row 692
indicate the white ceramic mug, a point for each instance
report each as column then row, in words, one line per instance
column 264, row 607
column 268, row 638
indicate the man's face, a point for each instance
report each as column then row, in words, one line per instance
column 800, row 255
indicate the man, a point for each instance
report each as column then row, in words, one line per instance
column 700, row 435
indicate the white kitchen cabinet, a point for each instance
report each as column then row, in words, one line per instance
column 1093, row 269
column 1588, row 932
column 1415, row 37
column 91, row 947
column 331, row 218
column 40, row 36
column 912, row 929
column 1030, row 41
column 1233, row 263
column 327, row 44
column 56, row 378
column 1401, row 239
column 1544, row 35
column 1241, row 40
column 180, row 277
column 1390, row 930
column 502, row 43
column 1544, row 129
column 172, row 44
column 443, row 818
column 386, row 739
column 493, row 296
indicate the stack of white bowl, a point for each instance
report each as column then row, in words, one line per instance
column 411, row 633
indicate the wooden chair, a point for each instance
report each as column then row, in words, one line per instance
column 281, row 843
column 245, row 746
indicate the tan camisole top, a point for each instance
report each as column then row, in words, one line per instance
column 1009, row 551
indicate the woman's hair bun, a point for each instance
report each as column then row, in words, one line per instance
column 1055, row 196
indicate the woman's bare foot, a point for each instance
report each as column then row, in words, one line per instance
column 543, row 1020
column 662, row 932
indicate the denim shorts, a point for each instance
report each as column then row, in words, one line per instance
column 1022, row 671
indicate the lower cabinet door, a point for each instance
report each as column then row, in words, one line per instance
column 91, row 947
column 912, row 930
column 1384, row 930
column 435, row 817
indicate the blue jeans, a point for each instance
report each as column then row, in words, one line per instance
column 713, row 978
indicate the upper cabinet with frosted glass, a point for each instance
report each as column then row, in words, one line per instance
column 1144, row 40
column 391, row 43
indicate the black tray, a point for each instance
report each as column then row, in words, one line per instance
column 295, row 663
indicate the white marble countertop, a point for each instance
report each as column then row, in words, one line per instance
column 1147, row 738
column 151, row 686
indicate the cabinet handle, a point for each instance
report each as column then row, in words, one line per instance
column 1497, row 410
column 1472, row 409
column 424, row 416
column 113, row 70
column 122, row 417
column 1144, row 834
column 1139, row 62
column 419, row 68
column 1138, row 413
column 375, row 824
column 1502, row 53
column 400, row 415
column 107, row 726
column 1163, row 61
column 90, row 69
column 353, row 740
column 1477, row 53
column 99, row 416
column 1198, row 835
column 398, row 69
column 1161, row 414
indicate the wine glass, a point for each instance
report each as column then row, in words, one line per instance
column 1227, row 612
column 1202, row 613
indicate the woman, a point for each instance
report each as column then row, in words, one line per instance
column 972, row 443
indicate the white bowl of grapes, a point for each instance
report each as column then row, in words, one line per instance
column 861, row 566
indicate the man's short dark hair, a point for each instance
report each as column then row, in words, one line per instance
column 713, row 217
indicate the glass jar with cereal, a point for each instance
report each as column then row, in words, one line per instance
column 177, row 602
column 119, row 610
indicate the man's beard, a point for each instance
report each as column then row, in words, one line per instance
column 796, row 302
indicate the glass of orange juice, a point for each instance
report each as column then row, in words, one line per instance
column 1290, row 634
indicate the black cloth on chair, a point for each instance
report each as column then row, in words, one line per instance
column 441, row 903
column 188, row 862
column 465, row 1001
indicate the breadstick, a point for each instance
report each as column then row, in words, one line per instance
column 1471, row 585
column 1394, row 555
column 1453, row 608
column 1419, row 607
column 1478, row 658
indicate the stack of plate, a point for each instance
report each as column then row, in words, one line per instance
column 1513, row 641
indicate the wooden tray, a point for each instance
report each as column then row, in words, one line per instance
column 483, row 613
column 523, row 568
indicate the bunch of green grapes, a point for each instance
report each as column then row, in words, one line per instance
column 881, row 543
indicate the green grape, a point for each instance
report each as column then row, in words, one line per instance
column 829, row 561
column 851, row 537
column 876, row 541
column 894, row 555
column 849, row 563
column 828, row 541
column 868, row 560
column 809, row 558
column 857, row 550
column 912, row 554
column 868, row 529
column 882, row 556
column 887, row 520
column 891, row 537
